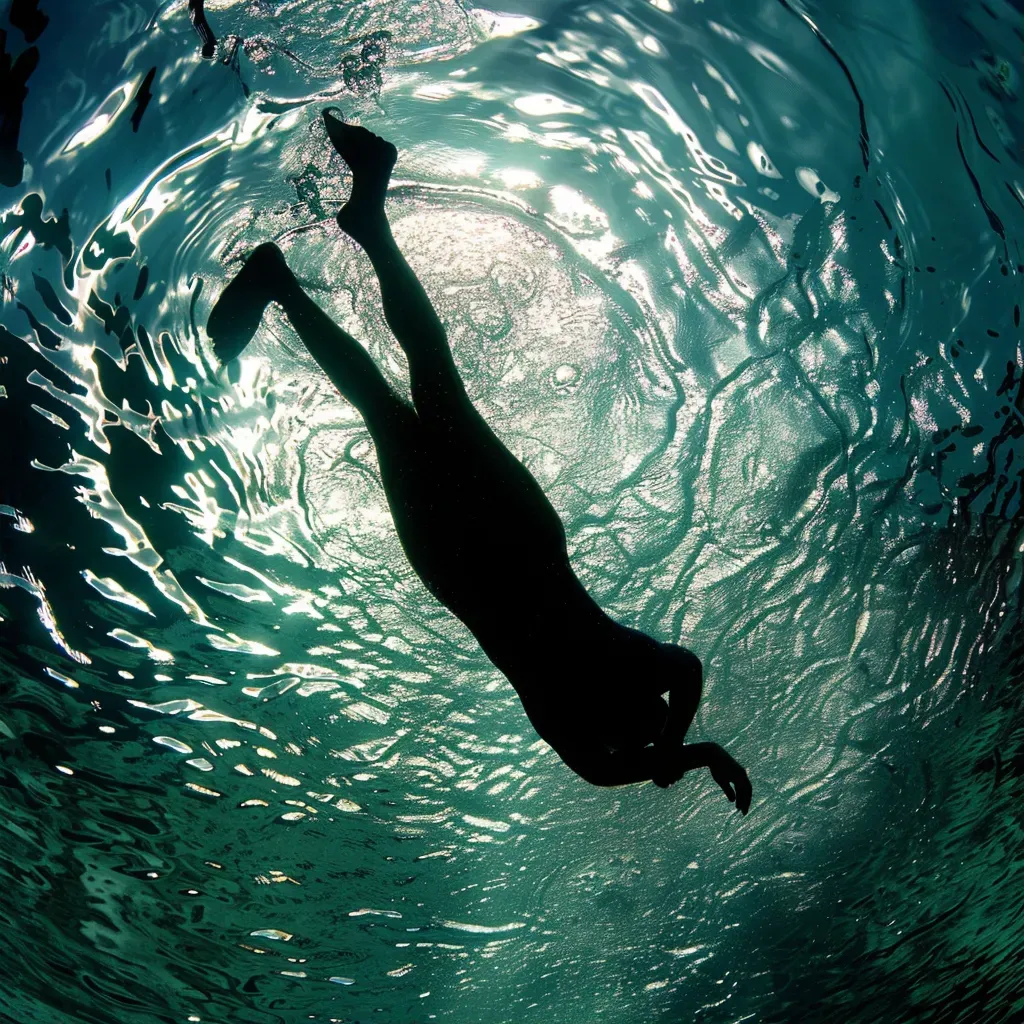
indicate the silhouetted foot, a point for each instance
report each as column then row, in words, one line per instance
column 371, row 160
column 237, row 313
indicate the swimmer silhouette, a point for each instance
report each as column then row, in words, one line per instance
column 474, row 523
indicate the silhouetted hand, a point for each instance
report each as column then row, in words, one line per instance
column 729, row 774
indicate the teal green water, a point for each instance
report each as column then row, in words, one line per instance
column 740, row 284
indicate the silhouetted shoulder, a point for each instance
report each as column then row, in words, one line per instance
column 687, row 662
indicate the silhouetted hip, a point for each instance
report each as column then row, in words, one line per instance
column 475, row 525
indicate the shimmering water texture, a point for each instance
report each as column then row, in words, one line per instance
column 739, row 282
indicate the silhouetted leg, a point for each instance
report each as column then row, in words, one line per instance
column 345, row 362
column 478, row 468
column 266, row 278
column 435, row 382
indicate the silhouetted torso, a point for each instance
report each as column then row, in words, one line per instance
column 485, row 540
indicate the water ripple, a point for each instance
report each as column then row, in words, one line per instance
column 740, row 286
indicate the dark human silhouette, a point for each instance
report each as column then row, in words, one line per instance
column 474, row 523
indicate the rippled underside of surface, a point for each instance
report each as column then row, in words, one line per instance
column 739, row 282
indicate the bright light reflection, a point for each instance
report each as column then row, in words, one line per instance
column 89, row 132
column 541, row 104
column 516, row 178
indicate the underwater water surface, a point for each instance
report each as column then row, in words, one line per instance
column 740, row 283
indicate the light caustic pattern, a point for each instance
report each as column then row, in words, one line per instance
column 739, row 282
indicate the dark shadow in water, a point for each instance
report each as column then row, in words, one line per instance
column 142, row 98
column 202, row 26
column 49, row 233
column 51, row 496
column 28, row 19
column 25, row 16
column 44, row 482
column 14, row 78
column 474, row 523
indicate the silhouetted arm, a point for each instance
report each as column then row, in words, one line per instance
column 623, row 767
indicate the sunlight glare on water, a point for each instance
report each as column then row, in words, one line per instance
column 740, row 284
